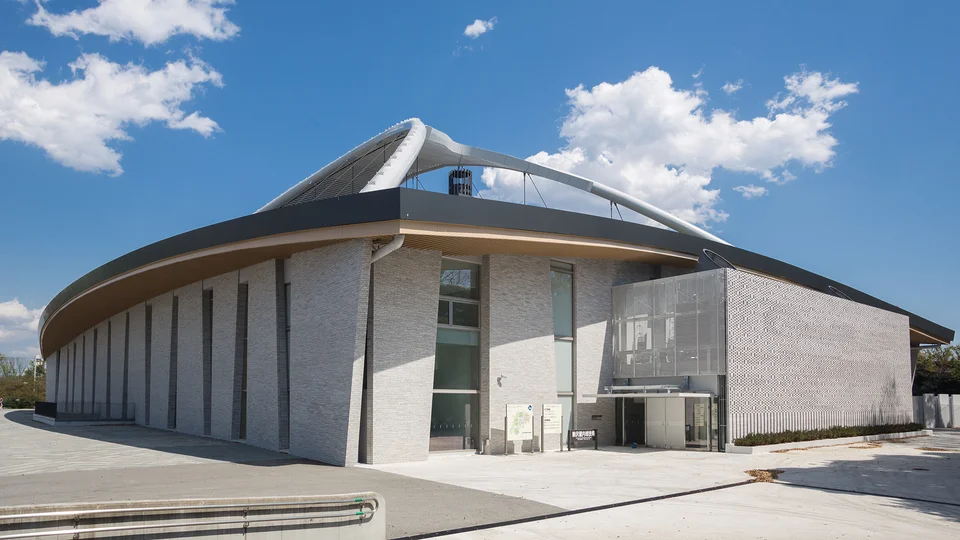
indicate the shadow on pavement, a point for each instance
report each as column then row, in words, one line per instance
column 165, row 441
column 925, row 480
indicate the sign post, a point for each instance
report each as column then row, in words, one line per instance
column 578, row 435
column 551, row 422
column 518, row 425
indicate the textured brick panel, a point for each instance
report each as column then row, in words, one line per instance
column 190, row 360
column 594, row 361
column 801, row 359
column 406, row 288
column 117, row 325
column 329, row 288
column 50, row 390
column 262, row 387
column 224, row 347
column 516, row 342
column 86, row 344
column 100, row 353
column 160, row 359
column 136, row 376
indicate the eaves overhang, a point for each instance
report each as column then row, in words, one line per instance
column 430, row 221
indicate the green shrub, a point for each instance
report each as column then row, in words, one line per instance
column 835, row 432
column 21, row 392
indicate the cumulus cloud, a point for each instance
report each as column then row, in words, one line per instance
column 479, row 27
column 657, row 142
column 751, row 191
column 732, row 88
column 74, row 120
column 148, row 21
column 17, row 321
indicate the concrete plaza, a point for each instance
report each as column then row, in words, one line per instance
column 887, row 490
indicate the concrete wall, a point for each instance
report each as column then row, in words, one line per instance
column 516, row 343
column 100, row 381
column 86, row 364
column 224, row 351
column 190, row 359
column 262, row 334
column 64, row 367
column 160, row 359
column 399, row 395
column 329, row 288
column 50, row 366
column 801, row 359
column 117, row 326
column 594, row 362
column 136, row 376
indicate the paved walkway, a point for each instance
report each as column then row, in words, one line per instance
column 41, row 464
column 886, row 490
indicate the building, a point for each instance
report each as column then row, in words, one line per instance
column 354, row 320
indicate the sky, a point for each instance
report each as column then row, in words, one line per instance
column 818, row 133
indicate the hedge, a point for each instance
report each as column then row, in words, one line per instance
column 835, row 432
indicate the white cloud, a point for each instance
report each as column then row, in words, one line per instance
column 75, row 119
column 698, row 73
column 479, row 27
column 751, row 191
column 148, row 21
column 732, row 88
column 657, row 142
column 17, row 321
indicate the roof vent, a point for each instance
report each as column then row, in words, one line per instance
column 461, row 182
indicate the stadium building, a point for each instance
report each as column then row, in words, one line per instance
column 353, row 319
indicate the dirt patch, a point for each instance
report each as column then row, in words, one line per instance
column 935, row 449
column 867, row 445
column 764, row 475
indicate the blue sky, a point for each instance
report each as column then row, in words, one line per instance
column 283, row 88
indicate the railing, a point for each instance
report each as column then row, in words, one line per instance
column 266, row 517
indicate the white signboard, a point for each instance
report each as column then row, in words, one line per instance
column 519, row 422
column 552, row 418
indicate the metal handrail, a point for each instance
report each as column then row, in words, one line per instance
column 369, row 502
column 192, row 507
column 77, row 531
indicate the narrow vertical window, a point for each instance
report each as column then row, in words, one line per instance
column 108, row 399
column 561, row 286
column 97, row 406
column 126, row 368
column 83, row 373
column 239, row 426
column 207, row 359
column 147, row 342
column 172, row 389
column 282, row 300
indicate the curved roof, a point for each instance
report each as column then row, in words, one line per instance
column 411, row 147
column 453, row 225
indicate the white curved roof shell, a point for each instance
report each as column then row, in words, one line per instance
column 411, row 147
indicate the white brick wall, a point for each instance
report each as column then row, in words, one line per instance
column 160, row 359
column 516, row 342
column 801, row 359
column 135, row 368
column 50, row 391
column 224, row 349
column 329, row 288
column 593, row 281
column 190, row 359
column 101, row 379
column 406, row 290
column 117, row 324
column 86, row 359
column 262, row 388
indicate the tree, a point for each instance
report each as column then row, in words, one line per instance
column 938, row 371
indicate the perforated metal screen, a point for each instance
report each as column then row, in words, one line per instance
column 671, row 326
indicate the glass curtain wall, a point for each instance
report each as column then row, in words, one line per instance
column 454, row 419
column 561, row 285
